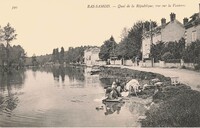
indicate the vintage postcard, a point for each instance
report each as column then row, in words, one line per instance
column 99, row 63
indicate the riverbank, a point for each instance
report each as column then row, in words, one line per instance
column 187, row 77
column 173, row 106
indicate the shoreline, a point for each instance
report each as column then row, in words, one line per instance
column 174, row 106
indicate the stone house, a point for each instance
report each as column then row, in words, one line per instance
column 166, row 32
column 91, row 56
column 192, row 27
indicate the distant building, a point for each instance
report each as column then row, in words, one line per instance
column 166, row 32
column 192, row 27
column 91, row 56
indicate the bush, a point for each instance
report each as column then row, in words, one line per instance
column 178, row 107
column 197, row 67
column 183, row 67
column 192, row 54
column 173, row 61
column 167, row 56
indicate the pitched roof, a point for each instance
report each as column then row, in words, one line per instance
column 93, row 50
column 194, row 15
column 157, row 30
column 195, row 20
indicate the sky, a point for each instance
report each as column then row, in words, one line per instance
column 43, row 25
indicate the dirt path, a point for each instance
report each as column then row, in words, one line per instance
column 188, row 77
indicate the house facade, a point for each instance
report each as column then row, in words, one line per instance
column 166, row 32
column 192, row 27
column 91, row 56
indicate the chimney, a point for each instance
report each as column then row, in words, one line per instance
column 185, row 21
column 172, row 17
column 163, row 21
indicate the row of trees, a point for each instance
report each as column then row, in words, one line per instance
column 58, row 57
column 175, row 51
column 76, row 55
column 130, row 44
column 192, row 53
column 167, row 51
column 72, row 55
column 10, row 56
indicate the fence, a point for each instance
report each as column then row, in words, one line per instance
column 115, row 62
column 164, row 64
column 148, row 63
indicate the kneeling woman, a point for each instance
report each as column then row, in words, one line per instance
column 113, row 92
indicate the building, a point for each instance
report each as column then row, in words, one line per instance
column 166, row 32
column 91, row 56
column 192, row 27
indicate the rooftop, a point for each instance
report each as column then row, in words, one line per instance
column 195, row 20
column 157, row 30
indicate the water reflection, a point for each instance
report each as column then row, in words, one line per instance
column 75, row 73
column 59, row 73
column 112, row 107
column 33, row 98
column 13, row 79
column 9, row 83
column 73, row 76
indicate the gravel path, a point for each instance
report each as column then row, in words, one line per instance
column 188, row 77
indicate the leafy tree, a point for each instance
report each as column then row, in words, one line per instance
column 157, row 51
column 192, row 54
column 62, row 52
column 8, row 36
column 17, row 56
column 168, row 50
column 13, row 56
column 34, row 60
column 125, row 49
column 55, row 55
column 124, row 33
column 130, row 45
column 167, row 56
column 75, row 55
column 2, row 54
column 1, row 34
column 108, row 49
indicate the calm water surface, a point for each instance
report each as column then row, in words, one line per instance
column 60, row 97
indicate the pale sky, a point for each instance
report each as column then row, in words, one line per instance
column 42, row 25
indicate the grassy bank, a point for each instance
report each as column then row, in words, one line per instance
column 125, row 75
column 173, row 106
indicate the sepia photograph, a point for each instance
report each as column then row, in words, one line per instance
column 99, row 63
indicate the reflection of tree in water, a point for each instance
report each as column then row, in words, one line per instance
column 34, row 69
column 56, row 73
column 112, row 107
column 13, row 79
column 9, row 81
column 8, row 103
column 75, row 73
column 62, row 74
column 72, row 72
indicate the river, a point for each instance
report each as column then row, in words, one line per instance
column 64, row 97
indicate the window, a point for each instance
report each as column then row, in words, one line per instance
column 194, row 36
